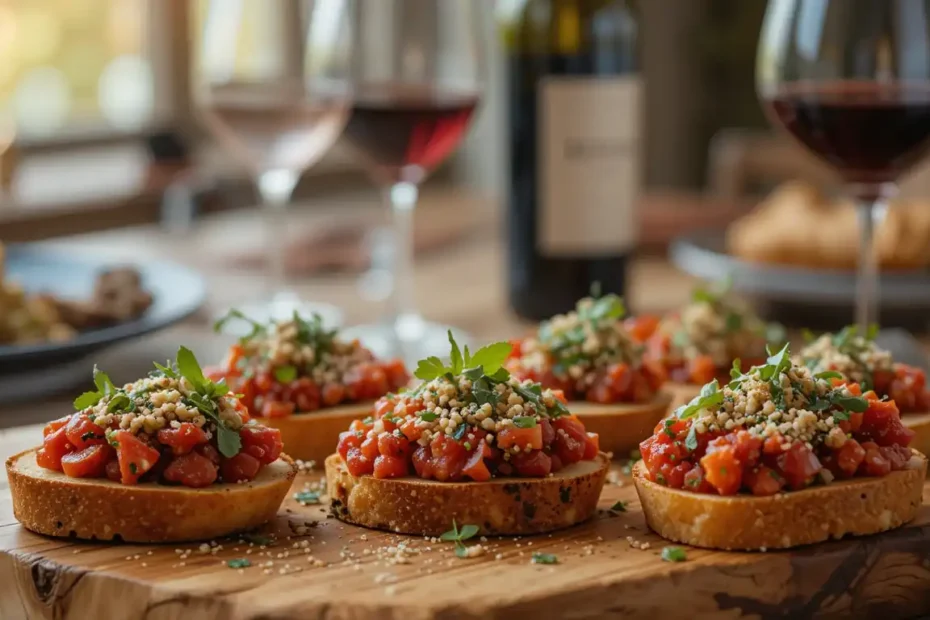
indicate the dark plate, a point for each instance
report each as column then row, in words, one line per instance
column 177, row 293
column 818, row 298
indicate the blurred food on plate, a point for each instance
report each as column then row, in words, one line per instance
column 797, row 224
column 29, row 318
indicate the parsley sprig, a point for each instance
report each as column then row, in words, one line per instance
column 851, row 342
column 594, row 315
column 485, row 370
column 459, row 536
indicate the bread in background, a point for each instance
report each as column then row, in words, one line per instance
column 798, row 225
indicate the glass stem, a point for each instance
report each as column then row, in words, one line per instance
column 408, row 324
column 871, row 213
column 276, row 188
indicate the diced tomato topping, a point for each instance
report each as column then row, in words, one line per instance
column 112, row 470
column 423, row 462
column 209, row 452
column 882, row 424
column 358, row 464
column 390, row 467
column 347, row 441
column 54, row 425
column 448, row 458
column 91, row 462
column 391, row 445
column 54, row 447
column 535, row 464
column 570, row 440
column 183, row 439
column 721, row 469
column 369, row 448
column 241, row 468
column 277, row 409
column 192, row 470
column 702, row 370
column 874, row 463
column 799, row 466
column 83, row 433
column 694, row 481
column 333, row 393
column 591, row 447
column 263, row 443
column 135, row 457
column 641, row 327
column 511, row 436
column 475, row 467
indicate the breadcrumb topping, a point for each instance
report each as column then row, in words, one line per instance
column 857, row 357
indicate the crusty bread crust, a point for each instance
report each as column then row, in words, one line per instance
column 621, row 427
column 48, row 502
column 920, row 424
column 854, row 507
column 512, row 506
column 312, row 436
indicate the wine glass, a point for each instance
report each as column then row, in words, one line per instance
column 850, row 80
column 271, row 78
column 415, row 81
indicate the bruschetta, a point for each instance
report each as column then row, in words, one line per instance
column 303, row 379
column 472, row 444
column 170, row 457
column 856, row 356
column 590, row 356
column 700, row 342
column 779, row 456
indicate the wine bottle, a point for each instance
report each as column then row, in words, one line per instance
column 575, row 123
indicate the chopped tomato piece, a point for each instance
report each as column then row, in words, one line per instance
column 799, row 466
column 54, row 425
column 91, row 462
column 54, row 447
column 641, row 327
column 369, row 448
column 535, row 464
column 694, row 481
column 882, row 424
column 192, row 470
column 897, row 455
column 112, row 469
column 722, row 470
column 570, row 440
column 277, row 409
column 423, row 462
column 394, row 446
column 448, row 458
column 591, row 447
column 673, row 475
column 763, row 480
column 347, row 441
column 333, row 393
column 358, row 464
column 410, row 429
column 748, row 449
column 208, row 451
column 183, row 439
column 135, row 457
column 475, row 467
column 702, row 370
column 390, row 467
column 511, row 436
column 241, row 468
column 83, row 433
column 262, row 442
column 874, row 462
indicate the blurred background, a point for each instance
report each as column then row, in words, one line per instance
column 107, row 156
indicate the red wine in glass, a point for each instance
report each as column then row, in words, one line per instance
column 405, row 132
column 871, row 132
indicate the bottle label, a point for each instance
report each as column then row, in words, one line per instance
column 589, row 165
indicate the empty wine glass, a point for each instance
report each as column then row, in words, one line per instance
column 850, row 80
column 273, row 98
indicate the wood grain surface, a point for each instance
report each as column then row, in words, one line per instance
column 320, row 568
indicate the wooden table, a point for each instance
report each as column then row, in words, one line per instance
column 319, row 568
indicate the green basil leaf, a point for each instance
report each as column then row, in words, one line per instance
column 691, row 441
column 429, row 369
column 228, row 441
column 829, row 374
column 428, row 416
column 239, row 563
column 87, row 399
column 618, row 507
column 190, row 369
column 491, row 357
column 856, row 404
column 524, row 422
column 103, row 383
column 467, row 531
column 458, row 363
column 545, row 558
column 673, row 554
column 119, row 402
column 167, row 370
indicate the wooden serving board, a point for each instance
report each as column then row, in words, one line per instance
column 320, row 568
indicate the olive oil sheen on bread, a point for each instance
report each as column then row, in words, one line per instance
column 575, row 123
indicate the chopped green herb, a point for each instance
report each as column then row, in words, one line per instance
column 710, row 397
column 829, row 374
column 133, row 468
column 673, row 554
column 239, row 563
column 428, row 416
column 459, row 536
column 524, row 422
column 307, row 497
column 545, row 558
column 618, row 507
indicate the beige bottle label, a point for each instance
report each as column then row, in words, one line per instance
column 589, row 165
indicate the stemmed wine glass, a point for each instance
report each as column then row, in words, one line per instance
column 275, row 102
column 415, row 81
column 850, row 80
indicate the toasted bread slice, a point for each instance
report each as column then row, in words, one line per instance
column 311, row 436
column 920, row 424
column 48, row 502
column 500, row 506
column 621, row 427
column 854, row 507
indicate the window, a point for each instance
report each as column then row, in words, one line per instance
column 76, row 66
